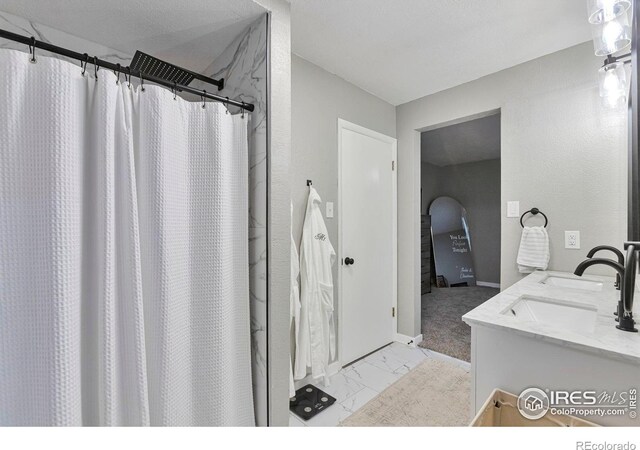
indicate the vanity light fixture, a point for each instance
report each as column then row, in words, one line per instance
column 610, row 27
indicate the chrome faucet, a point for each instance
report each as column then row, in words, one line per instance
column 627, row 275
column 618, row 253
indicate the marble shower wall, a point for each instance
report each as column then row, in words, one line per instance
column 25, row 27
column 243, row 65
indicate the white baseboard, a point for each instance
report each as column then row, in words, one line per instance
column 408, row 340
column 333, row 369
column 488, row 284
column 336, row 366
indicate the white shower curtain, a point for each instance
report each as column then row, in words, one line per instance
column 123, row 253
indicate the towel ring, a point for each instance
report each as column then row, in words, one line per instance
column 534, row 211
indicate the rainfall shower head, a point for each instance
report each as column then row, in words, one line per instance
column 152, row 66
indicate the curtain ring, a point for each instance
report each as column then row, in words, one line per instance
column 96, row 67
column 242, row 115
column 32, row 50
column 175, row 90
column 84, row 66
column 227, row 104
column 141, row 82
column 118, row 73
column 129, row 78
column 202, row 97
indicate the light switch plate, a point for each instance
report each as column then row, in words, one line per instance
column 329, row 210
column 572, row 240
column 513, row 209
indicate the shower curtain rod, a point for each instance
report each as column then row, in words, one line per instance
column 84, row 58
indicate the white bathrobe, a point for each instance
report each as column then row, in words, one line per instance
column 294, row 303
column 316, row 339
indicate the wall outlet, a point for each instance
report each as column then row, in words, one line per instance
column 329, row 210
column 572, row 240
column 513, row 209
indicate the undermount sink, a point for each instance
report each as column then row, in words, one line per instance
column 573, row 283
column 570, row 316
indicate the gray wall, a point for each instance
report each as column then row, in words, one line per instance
column 561, row 151
column 318, row 100
column 476, row 186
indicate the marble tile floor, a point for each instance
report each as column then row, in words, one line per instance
column 360, row 382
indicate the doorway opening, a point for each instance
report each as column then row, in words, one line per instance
column 460, row 228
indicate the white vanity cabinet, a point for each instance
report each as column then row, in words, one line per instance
column 512, row 353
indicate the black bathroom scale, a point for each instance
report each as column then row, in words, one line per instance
column 309, row 401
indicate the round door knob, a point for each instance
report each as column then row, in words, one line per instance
column 348, row 261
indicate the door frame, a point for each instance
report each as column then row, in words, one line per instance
column 345, row 125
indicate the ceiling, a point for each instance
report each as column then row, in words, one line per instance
column 405, row 49
column 474, row 140
column 189, row 33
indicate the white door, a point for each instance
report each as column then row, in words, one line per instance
column 367, row 236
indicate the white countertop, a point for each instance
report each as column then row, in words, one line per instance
column 605, row 339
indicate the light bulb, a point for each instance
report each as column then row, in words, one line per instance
column 614, row 99
column 611, row 83
column 611, row 34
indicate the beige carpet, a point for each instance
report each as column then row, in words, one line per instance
column 442, row 325
column 434, row 394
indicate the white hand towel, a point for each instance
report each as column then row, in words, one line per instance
column 534, row 250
